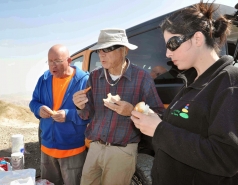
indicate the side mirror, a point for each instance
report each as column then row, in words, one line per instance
column 236, row 6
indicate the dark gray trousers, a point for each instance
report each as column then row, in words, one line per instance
column 67, row 171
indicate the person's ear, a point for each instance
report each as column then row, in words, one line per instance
column 69, row 60
column 126, row 50
column 199, row 39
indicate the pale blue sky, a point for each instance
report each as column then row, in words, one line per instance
column 29, row 28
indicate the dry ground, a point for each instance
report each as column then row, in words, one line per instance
column 18, row 119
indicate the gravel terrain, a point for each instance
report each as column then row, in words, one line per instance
column 18, row 119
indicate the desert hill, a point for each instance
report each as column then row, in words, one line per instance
column 16, row 112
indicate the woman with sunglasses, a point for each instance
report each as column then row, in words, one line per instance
column 196, row 143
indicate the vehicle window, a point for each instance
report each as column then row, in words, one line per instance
column 150, row 55
column 234, row 34
column 78, row 62
column 232, row 41
column 94, row 61
column 150, row 51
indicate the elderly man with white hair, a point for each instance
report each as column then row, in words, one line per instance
column 112, row 155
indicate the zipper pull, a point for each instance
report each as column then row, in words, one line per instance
column 173, row 105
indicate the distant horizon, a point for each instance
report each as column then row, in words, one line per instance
column 15, row 97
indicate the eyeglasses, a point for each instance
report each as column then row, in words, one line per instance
column 56, row 62
column 176, row 41
column 109, row 49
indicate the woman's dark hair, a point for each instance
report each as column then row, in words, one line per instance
column 199, row 18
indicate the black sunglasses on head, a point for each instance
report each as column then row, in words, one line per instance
column 176, row 41
column 109, row 49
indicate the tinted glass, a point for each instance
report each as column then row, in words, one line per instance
column 150, row 55
column 234, row 34
column 94, row 61
column 78, row 62
column 232, row 41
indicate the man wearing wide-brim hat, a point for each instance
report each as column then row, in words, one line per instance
column 112, row 155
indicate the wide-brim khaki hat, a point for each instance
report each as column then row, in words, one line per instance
column 111, row 37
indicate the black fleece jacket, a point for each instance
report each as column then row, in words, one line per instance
column 197, row 141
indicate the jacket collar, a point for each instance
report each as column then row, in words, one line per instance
column 190, row 75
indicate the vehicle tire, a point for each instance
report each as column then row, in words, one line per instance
column 142, row 175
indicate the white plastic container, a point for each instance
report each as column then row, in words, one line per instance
column 17, row 161
column 17, row 141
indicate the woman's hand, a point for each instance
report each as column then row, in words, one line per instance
column 146, row 123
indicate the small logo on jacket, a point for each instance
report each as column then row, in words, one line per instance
column 183, row 113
